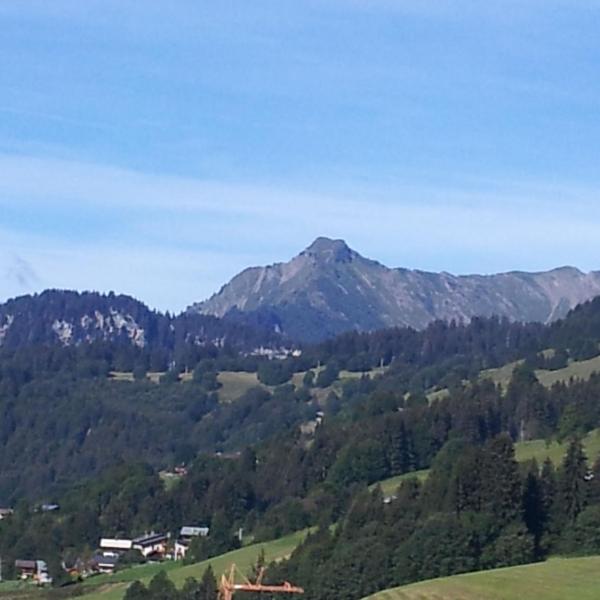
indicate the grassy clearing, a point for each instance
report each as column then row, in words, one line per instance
column 235, row 384
column 121, row 376
column 298, row 377
column 389, row 486
column 14, row 586
column 575, row 370
column 500, row 376
column 437, row 395
column 556, row 579
column 540, row 450
column 582, row 370
column 358, row 374
column 524, row 451
column 153, row 376
column 112, row 587
column 170, row 480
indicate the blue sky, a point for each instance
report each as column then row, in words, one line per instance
column 157, row 148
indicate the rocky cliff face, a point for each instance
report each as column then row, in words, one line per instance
column 71, row 318
column 329, row 288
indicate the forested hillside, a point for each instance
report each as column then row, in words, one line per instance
column 70, row 318
column 60, row 406
column 300, row 449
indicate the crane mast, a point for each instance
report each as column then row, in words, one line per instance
column 228, row 586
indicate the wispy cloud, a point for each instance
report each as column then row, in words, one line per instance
column 20, row 272
column 173, row 240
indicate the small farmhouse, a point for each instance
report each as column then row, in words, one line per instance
column 36, row 570
column 186, row 535
column 104, row 564
column 152, row 545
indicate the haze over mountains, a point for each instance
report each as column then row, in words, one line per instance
column 330, row 288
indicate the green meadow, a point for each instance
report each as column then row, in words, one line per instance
column 556, row 579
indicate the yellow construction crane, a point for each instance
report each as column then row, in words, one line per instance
column 228, row 586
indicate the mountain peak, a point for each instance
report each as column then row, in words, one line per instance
column 329, row 288
column 327, row 248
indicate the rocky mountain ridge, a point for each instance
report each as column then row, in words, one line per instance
column 70, row 318
column 330, row 288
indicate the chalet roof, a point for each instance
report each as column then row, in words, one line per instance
column 25, row 564
column 189, row 531
column 115, row 544
column 149, row 539
column 105, row 561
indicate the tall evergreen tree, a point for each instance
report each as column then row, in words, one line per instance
column 501, row 484
column 573, row 484
column 208, row 585
column 162, row 588
column 398, row 450
column 190, row 590
column 136, row 591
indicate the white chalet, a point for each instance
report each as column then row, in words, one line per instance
column 186, row 534
column 152, row 545
column 115, row 546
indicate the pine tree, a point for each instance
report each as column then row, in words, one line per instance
column 190, row 590
column 573, row 484
column 500, row 481
column 258, row 566
column 548, row 486
column 162, row 588
column 137, row 591
column 533, row 503
column 398, row 451
column 464, row 493
column 208, row 585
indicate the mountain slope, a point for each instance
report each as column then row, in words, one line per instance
column 329, row 288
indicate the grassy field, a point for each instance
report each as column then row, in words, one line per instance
column 582, row 370
column 358, row 374
column 540, row 450
column 501, row 375
column 389, row 486
column 235, row 384
column 524, row 451
column 170, row 480
column 153, row 376
column 556, row 579
column 112, row 587
column 576, row 370
column 11, row 586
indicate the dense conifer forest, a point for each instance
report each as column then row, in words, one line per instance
column 70, row 435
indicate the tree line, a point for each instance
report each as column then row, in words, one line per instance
column 478, row 509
